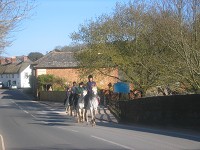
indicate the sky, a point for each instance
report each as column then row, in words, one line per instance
column 51, row 23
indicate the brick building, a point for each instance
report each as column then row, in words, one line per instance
column 63, row 64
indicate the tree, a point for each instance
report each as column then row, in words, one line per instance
column 12, row 12
column 118, row 41
column 151, row 45
column 33, row 56
column 46, row 81
column 181, row 36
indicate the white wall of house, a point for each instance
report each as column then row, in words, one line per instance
column 21, row 80
column 24, row 78
column 41, row 71
column 8, row 79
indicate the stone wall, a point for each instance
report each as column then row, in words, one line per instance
column 176, row 110
column 53, row 96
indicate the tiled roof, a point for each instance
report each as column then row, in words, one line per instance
column 57, row 59
column 13, row 68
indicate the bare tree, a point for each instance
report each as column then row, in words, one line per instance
column 181, row 37
column 12, row 12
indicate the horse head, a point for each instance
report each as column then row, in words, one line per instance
column 94, row 89
column 84, row 93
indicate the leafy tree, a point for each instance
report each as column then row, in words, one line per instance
column 151, row 45
column 33, row 56
column 59, row 84
column 117, row 41
column 45, row 80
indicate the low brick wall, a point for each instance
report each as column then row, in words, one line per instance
column 54, row 96
column 176, row 110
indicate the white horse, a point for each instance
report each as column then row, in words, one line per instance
column 80, row 107
column 92, row 106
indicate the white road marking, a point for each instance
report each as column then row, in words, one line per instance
column 2, row 142
column 126, row 147
column 26, row 111
column 33, row 116
column 21, row 108
column 73, row 130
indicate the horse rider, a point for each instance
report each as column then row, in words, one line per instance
column 68, row 92
column 90, row 84
column 78, row 92
column 73, row 94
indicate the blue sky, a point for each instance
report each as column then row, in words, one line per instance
column 53, row 21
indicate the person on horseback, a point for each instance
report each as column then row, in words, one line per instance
column 79, row 89
column 78, row 92
column 68, row 92
column 72, row 94
column 90, row 84
column 66, row 100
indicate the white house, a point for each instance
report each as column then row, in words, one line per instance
column 15, row 71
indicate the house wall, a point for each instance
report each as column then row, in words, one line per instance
column 72, row 74
column 69, row 74
column 41, row 71
column 8, row 79
column 24, row 78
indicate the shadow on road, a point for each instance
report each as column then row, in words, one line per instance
column 51, row 117
column 13, row 94
column 179, row 133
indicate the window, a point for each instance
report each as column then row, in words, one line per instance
column 14, row 83
column 13, row 75
column 26, row 75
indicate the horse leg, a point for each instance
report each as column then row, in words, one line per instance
column 74, row 111
column 79, row 115
column 70, row 111
column 67, row 109
column 83, row 113
column 92, row 116
column 86, row 115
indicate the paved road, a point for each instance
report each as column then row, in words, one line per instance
column 30, row 125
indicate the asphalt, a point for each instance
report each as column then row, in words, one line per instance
column 103, row 114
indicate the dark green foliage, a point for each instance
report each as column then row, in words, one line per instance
column 152, row 44
column 46, row 80
column 33, row 56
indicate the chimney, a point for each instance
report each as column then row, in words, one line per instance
column 8, row 60
column 2, row 61
column 14, row 59
column 25, row 58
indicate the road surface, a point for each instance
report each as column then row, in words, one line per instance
column 31, row 125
